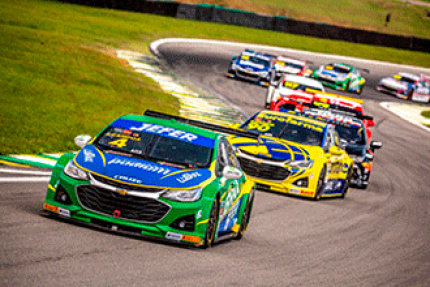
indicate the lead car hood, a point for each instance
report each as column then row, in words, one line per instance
column 138, row 171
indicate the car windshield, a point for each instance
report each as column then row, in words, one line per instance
column 404, row 79
column 287, row 64
column 255, row 60
column 352, row 135
column 165, row 150
column 339, row 69
column 299, row 86
column 286, row 128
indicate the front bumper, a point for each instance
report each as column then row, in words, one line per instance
column 191, row 213
column 249, row 76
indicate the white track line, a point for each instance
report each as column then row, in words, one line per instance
column 154, row 48
column 47, row 161
column 25, row 171
column 24, row 179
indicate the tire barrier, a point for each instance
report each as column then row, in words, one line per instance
column 219, row 14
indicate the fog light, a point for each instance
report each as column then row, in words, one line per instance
column 185, row 223
column 303, row 182
column 62, row 196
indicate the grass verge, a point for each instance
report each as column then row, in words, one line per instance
column 426, row 114
column 61, row 78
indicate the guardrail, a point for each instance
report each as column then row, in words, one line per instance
column 219, row 14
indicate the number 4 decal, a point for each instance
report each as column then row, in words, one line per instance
column 119, row 143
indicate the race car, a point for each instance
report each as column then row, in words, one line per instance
column 293, row 155
column 251, row 66
column 290, row 84
column 300, row 101
column 284, row 65
column 340, row 77
column 148, row 176
column 406, row 86
column 353, row 139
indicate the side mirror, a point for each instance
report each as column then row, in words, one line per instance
column 82, row 140
column 375, row 145
column 234, row 58
column 334, row 150
column 231, row 173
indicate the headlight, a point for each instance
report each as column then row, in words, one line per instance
column 302, row 163
column 75, row 172
column 188, row 195
column 233, row 66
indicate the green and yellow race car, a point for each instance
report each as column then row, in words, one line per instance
column 293, row 154
column 149, row 176
column 340, row 76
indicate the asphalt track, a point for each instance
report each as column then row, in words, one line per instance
column 374, row 237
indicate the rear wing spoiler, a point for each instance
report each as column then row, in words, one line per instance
column 344, row 111
column 199, row 124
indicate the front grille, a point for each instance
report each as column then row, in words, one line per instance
column 263, row 171
column 123, row 185
column 248, row 75
column 126, row 206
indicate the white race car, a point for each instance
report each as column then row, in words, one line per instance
column 291, row 84
column 284, row 65
column 398, row 85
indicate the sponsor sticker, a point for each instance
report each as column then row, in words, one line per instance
column 189, row 238
column 294, row 191
column 173, row 236
column 64, row 212
column 50, row 207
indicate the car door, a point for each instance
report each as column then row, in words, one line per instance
column 229, row 207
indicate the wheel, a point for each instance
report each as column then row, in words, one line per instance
column 211, row 225
column 245, row 220
column 360, row 90
column 320, row 185
column 346, row 186
column 347, row 85
column 410, row 93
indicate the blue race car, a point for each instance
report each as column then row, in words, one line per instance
column 251, row 66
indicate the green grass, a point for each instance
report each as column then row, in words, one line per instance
column 426, row 114
column 406, row 19
column 61, row 78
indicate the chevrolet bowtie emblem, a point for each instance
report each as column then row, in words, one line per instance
column 122, row 191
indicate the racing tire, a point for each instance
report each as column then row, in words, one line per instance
column 211, row 225
column 359, row 91
column 410, row 93
column 320, row 185
column 245, row 220
column 347, row 183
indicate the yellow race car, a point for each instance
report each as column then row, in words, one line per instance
column 293, row 154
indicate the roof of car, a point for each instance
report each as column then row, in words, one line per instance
column 290, row 60
column 408, row 75
column 304, row 80
column 172, row 124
